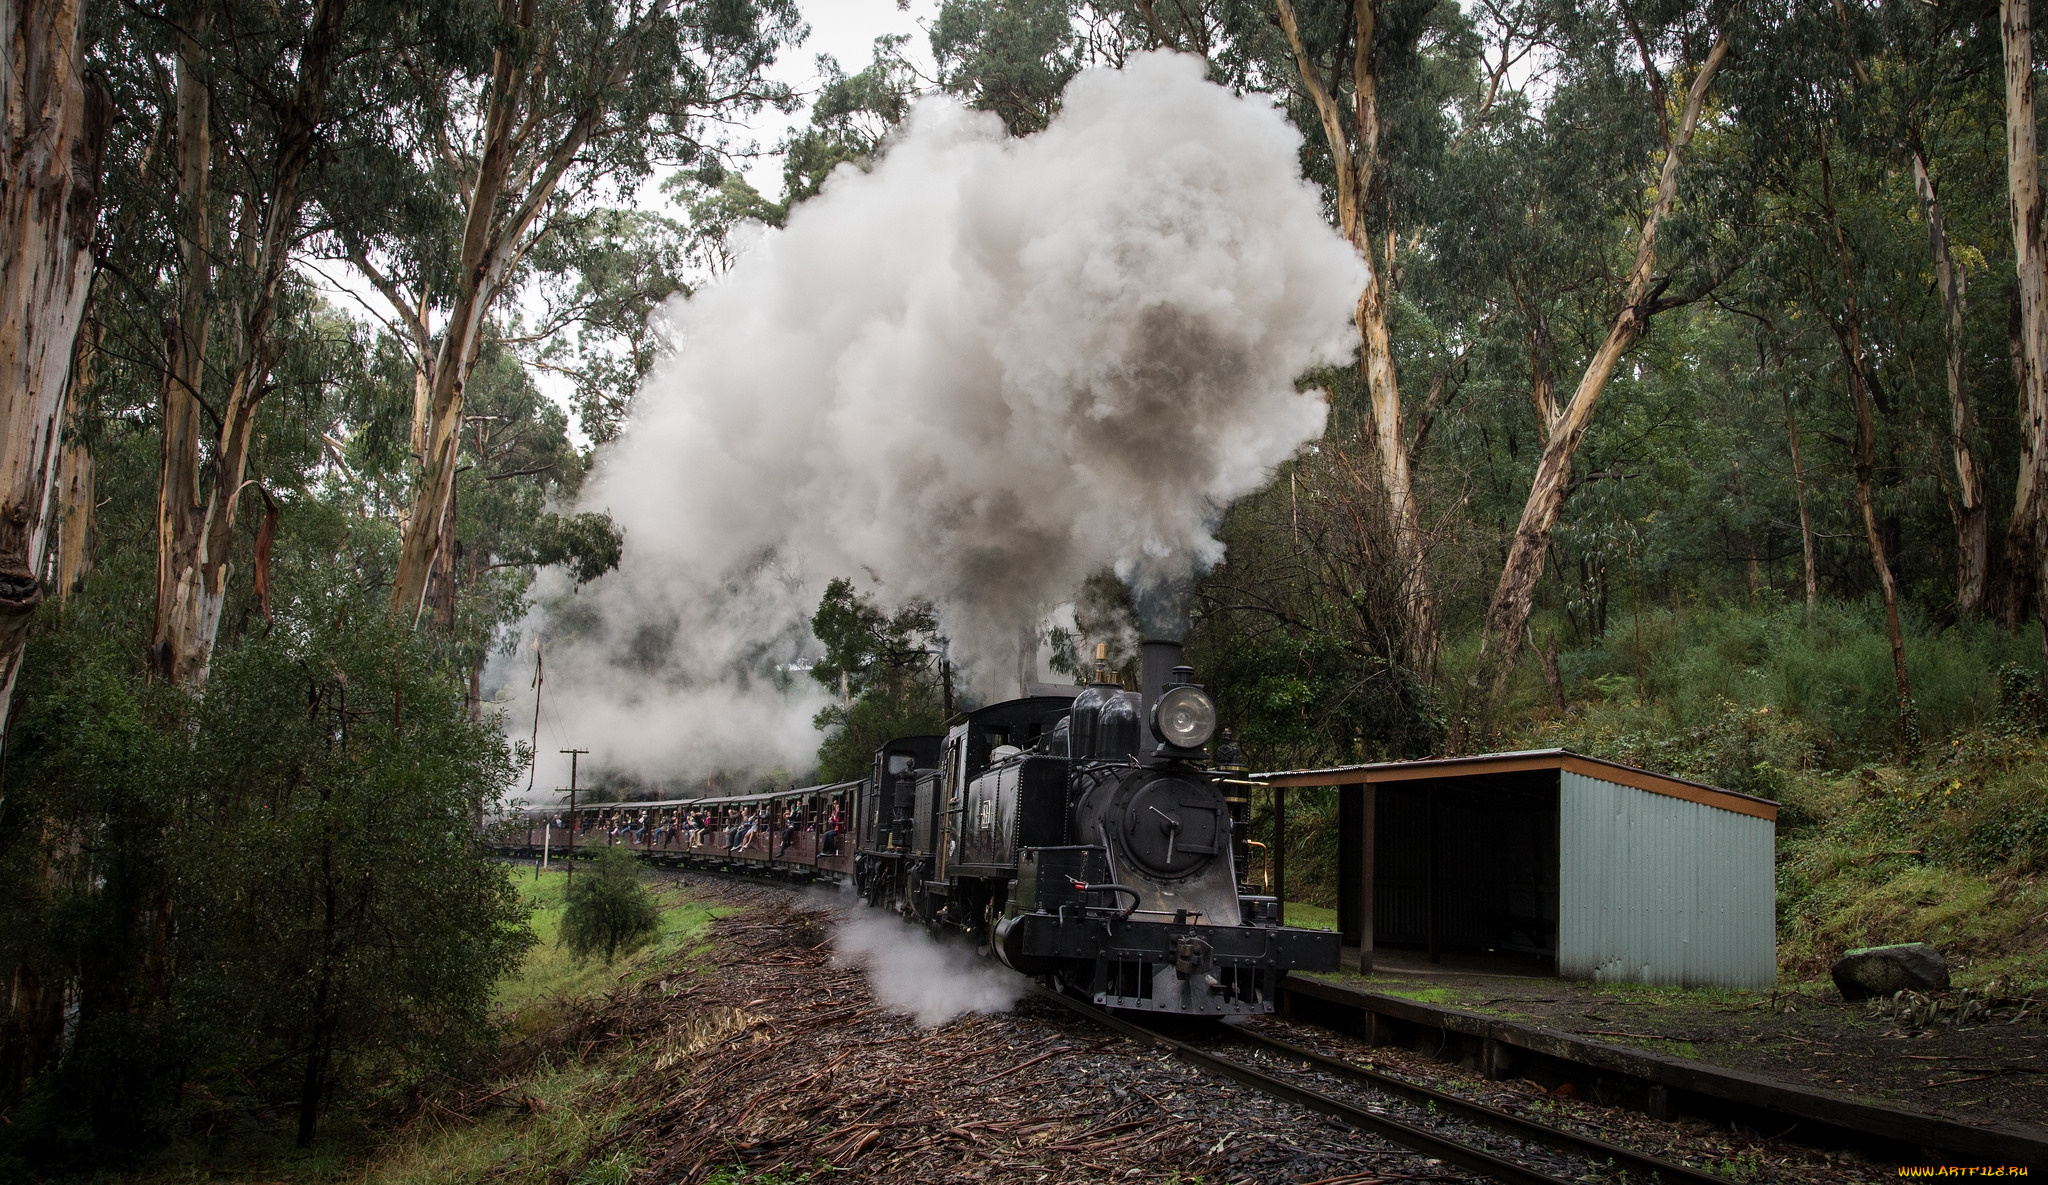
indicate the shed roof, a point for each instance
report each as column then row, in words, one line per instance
column 1527, row 759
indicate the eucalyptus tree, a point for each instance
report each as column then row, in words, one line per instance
column 518, row 112
column 1610, row 79
column 244, row 91
column 604, row 275
column 888, row 671
column 1373, row 35
column 1906, row 70
column 1012, row 57
column 51, row 141
column 851, row 116
column 2027, row 538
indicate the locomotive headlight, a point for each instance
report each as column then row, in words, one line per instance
column 1184, row 717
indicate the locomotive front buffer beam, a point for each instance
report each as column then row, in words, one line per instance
column 1162, row 966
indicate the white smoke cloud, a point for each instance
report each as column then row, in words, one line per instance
column 911, row 972
column 977, row 373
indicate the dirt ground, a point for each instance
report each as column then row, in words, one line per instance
column 758, row 1056
column 1991, row 1070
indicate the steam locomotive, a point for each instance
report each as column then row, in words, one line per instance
column 1076, row 849
column 1081, row 839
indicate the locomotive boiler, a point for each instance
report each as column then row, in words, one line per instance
column 1083, row 840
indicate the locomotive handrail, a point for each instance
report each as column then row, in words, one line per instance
column 1089, row 887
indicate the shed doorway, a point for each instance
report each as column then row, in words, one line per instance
column 1464, row 870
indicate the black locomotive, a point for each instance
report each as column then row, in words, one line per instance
column 1076, row 848
column 1080, row 838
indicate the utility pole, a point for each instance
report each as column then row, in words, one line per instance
column 573, row 755
column 946, row 675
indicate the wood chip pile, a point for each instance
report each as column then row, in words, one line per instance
column 760, row 1053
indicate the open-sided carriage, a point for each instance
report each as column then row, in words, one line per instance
column 782, row 834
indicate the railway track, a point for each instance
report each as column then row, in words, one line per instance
column 1452, row 1129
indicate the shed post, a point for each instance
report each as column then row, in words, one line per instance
column 1280, row 852
column 1348, row 894
column 1429, row 875
column 1355, row 810
column 1368, row 839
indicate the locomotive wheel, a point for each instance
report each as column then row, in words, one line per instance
column 1083, row 990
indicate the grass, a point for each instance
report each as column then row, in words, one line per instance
column 1310, row 917
column 549, row 1140
column 549, row 1143
column 1431, row 995
column 551, row 973
column 1946, row 851
column 777, row 1176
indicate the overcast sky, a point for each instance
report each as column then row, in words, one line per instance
column 845, row 29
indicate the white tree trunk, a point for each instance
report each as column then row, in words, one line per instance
column 51, row 140
column 1507, row 617
column 2023, row 181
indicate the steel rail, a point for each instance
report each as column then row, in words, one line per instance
column 1426, row 1142
column 1590, row 1147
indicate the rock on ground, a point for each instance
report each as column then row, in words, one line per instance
column 1883, row 970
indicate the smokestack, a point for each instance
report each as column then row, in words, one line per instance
column 1157, row 658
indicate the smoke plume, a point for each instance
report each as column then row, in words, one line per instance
column 910, row 971
column 976, row 373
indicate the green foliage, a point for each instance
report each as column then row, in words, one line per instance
column 587, row 544
column 606, row 272
column 1105, row 619
column 553, row 973
column 1736, row 697
column 849, row 118
column 889, row 669
column 1012, row 57
column 1949, row 850
column 1297, row 633
column 721, row 203
column 276, row 893
column 853, row 732
column 865, row 647
column 609, row 910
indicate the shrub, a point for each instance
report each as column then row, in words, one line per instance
column 1731, row 689
column 609, row 909
column 274, row 895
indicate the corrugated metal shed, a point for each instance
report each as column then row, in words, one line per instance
column 1655, row 889
column 1650, row 879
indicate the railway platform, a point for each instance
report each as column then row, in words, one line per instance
column 1796, row 1065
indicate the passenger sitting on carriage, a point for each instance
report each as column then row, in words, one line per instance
column 790, row 824
column 830, row 845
